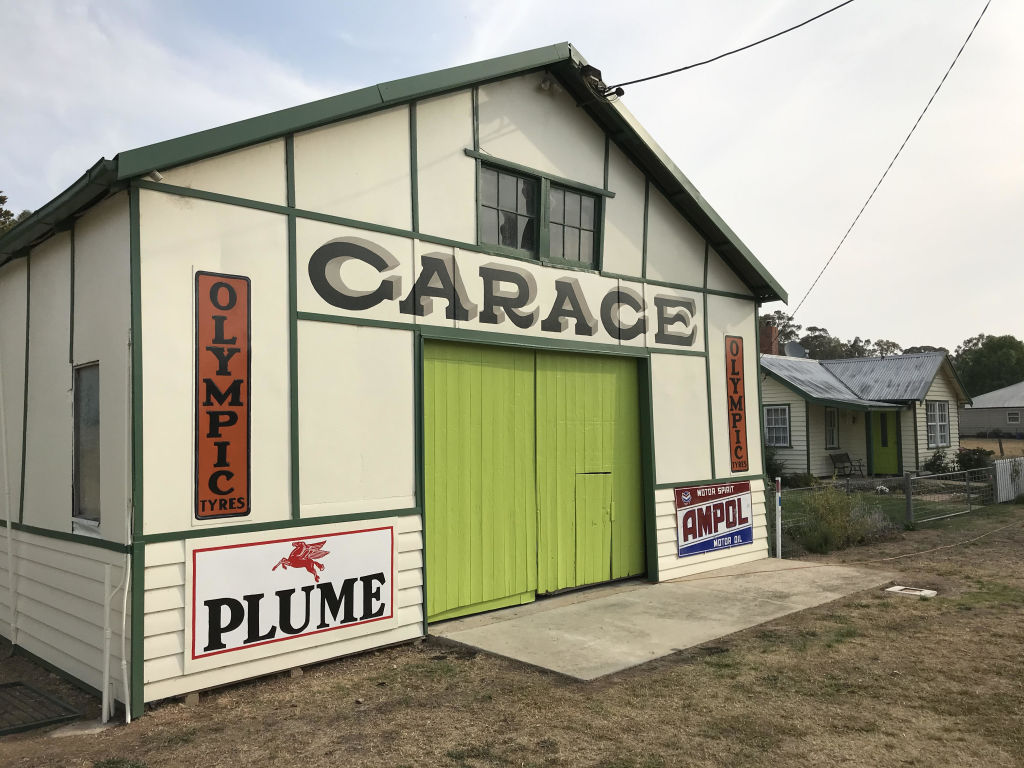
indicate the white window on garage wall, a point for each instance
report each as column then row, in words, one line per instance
column 831, row 428
column 86, row 480
column 1013, row 417
column 776, row 426
column 937, row 413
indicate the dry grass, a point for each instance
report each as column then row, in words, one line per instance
column 871, row 679
column 1011, row 447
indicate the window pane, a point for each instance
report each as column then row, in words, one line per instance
column 508, row 230
column 507, row 192
column 587, row 212
column 87, row 442
column 489, row 187
column 488, row 225
column 527, row 233
column 556, row 241
column 557, row 205
column 528, row 197
column 587, row 247
column 572, row 244
column 572, row 208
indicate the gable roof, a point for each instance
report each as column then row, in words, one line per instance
column 561, row 59
column 1007, row 397
column 817, row 384
column 895, row 378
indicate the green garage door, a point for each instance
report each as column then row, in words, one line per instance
column 532, row 473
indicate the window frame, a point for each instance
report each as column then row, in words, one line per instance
column 80, row 520
column 1013, row 421
column 941, row 407
column 767, row 427
column 831, row 446
column 546, row 181
column 537, row 215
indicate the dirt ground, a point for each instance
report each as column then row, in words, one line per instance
column 1011, row 447
column 872, row 679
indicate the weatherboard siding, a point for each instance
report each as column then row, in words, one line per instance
column 164, row 645
column 794, row 456
column 941, row 389
column 907, row 427
column 59, row 617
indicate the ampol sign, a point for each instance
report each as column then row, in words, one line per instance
column 710, row 517
column 255, row 593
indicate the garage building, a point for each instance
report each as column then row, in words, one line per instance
column 298, row 386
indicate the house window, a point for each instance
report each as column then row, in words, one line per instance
column 937, row 417
column 572, row 217
column 1013, row 417
column 831, row 428
column 86, row 474
column 776, row 425
column 509, row 208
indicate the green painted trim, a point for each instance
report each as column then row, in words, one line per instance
column 529, row 342
column 135, row 266
column 138, row 632
column 698, row 289
column 78, row 538
column 273, row 525
column 293, row 337
column 414, row 179
column 643, row 246
column 24, row 402
column 899, row 443
column 917, row 447
column 618, row 276
column 475, row 101
column 213, row 197
column 420, row 469
column 601, row 218
column 707, row 366
column 760, row 394
column 543, row 175
column 544, row 222
column 71, row 310
column 649, row 469
column 289, row 170
column 706, row 481
column 49, row 667
column 607, row 149
column 666, row 351
column 319, row 318
column 807, row 434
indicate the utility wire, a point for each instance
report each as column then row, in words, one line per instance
column 611, row 88
column 893, row 161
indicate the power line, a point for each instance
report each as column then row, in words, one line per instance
column 892, row 162
column 611, row 88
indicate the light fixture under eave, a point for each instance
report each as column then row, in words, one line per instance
column 155, row 175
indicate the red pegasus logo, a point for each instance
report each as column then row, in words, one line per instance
column 304, row 556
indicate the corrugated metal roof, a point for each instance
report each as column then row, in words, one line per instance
column 817, row 383
column 899, row 377
column 1007, row 397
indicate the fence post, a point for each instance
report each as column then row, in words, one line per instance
column 909, row 491
column 778, row 517
column 967, row 479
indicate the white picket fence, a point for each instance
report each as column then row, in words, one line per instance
column 1009, row 474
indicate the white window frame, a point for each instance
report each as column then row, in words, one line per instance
column 937, row 423
column 1013, row 417
column 831, row 430
column 774, row 411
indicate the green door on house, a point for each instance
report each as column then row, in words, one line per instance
column 884, row 443
column 532, row 474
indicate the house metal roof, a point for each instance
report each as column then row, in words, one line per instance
column 1007, row 397
column 561, row 59
column 894, row 378
column 818, row 384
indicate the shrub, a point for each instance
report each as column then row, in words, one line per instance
column 831, row 519
column 774, row 466
column 974, row 458
column 803, row 480
column 938, row 464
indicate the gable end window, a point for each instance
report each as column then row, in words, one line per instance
column 86, row 480
column 1013, row 417
column 776, row 426
column 509, row 210
column 937, row 420
column 831, row 429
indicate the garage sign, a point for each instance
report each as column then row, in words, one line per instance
column 712, row 517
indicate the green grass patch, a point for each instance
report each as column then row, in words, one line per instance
column 991, row 594
column 118, row 762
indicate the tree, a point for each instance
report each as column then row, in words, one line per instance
column 924, row 348
column 885, row 348
column 985, row 363
column 788, row 330
column 7, row 218
column 822, row 345
column 858, row 347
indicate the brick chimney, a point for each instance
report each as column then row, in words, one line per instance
column 769, row 340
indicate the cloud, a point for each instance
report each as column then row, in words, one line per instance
column 92, row 79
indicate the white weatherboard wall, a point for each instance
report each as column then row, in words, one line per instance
column 49, row 415
column 180, row 236
column 907, row 427
column 793, row 456
column 446, row 176
column 60, row 605
column 356, row 420
column 852, row 438
column 102, row 322
column 13, row 297
column 164, row 646
column 941, row 389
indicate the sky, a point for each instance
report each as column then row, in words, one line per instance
column 785, row 141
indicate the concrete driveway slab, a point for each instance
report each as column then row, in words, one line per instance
column 596, row 632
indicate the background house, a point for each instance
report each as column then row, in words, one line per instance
column 999, row 410
column 891, row 413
